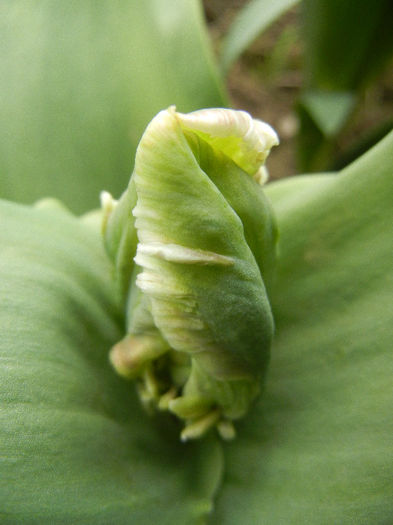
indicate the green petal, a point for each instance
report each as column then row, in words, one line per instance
column 75, row 445
column 194, row 254
column 318, row 447
column 119, row 234
column 206, row 247
column 245, row 140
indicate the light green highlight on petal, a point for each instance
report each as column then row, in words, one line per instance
column 245, row 140
column 206, row 250
column 182, row 254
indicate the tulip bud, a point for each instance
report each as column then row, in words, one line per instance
column 193, row 242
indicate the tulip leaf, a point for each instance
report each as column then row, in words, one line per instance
column 329, row 110
column 81, row 80
column 75, row 445
column 346, row 43
column 317, row 449
column 252, row 20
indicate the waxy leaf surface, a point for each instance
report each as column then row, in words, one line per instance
column 318, row 447
column 75, row 445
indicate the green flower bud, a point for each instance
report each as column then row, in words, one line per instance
column 193, row 243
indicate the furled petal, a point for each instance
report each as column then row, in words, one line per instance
column 245, row 140
column 206, row 246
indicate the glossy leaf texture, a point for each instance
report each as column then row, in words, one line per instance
column 75, row 445
column 81, row 80
column 318, row 447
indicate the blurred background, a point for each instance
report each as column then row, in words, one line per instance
column 295, row 49
column 79, row 81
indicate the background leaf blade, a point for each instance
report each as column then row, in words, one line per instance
column 252, row 20
column 80, row 82
column 346, row 44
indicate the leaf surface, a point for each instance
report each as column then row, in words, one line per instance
column 329, row 110
column 81, row 80
column 75, row 445
column 317, row 449
column 346, row 43
column 252, row 20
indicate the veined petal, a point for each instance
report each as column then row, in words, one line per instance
column 245, row 140
column 206, row 242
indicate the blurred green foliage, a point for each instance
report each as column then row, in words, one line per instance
column 347, row 42
column 255, row 17
column 79, row 82
column 346, row 46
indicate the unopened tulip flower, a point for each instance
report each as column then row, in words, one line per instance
column 193, row 244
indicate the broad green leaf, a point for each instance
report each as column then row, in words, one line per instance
column 251, row 21
column 75, row 445
column 318, row 447
column 365, row 142
column 322, row 115
column 328, row 109
column 79, row 82
column 346, row 43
